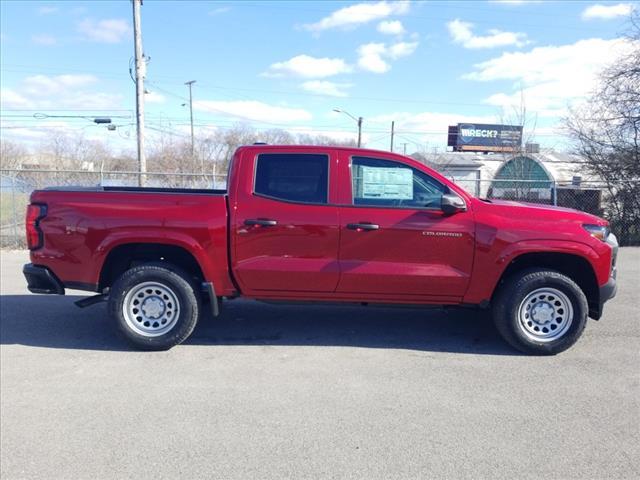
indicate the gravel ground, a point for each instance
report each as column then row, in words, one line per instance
column 314, row 392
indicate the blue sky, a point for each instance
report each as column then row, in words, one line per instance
column 288, row 64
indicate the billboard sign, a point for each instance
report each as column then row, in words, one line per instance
column 467, row 137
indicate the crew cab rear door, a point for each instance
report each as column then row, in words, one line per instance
column 395, row 242
column 284, row 223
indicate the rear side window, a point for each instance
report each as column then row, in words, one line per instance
column 293, row 177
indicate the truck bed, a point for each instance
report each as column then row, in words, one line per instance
column 83, row 225
column 194, row 191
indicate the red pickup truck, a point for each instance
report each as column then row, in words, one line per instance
column 321, row 224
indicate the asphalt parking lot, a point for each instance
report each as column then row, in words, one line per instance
column 277, row 392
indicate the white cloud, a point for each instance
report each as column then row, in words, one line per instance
column 515, row 2
column 391, row 27
column 12, row 99
column 427, row 126
column 402, row 49
column 462, row 33
column 358, row 14
column 323, row 87
column 154, row 97
column 309, row 67
column 372, row 57
column 35, row 130
column 47, row 10
column 43, row 85
column 61, row 91
column 44, row 39
column 112, row 30
column 607, row 12
column 253, row 110
column 219, row 10
column 336, row 135
column 550, row 77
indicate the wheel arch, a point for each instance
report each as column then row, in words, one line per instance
column 574, row 266
column 127, row 255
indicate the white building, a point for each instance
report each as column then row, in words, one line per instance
column 543, row 176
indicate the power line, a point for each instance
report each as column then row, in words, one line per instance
column 66, row 110
column 320, row 128
column 549, row 25
column 449, row 3
column 46, row 116
column 156, row 85
column 320, row 95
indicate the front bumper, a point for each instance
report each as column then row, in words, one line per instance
column 42, row 280
column 609, row 289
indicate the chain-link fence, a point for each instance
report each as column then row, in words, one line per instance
column 598, row 198
column 17, row 185
column 618, row 203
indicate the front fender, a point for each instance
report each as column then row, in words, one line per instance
column 491, row 265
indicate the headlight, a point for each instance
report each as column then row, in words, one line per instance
column 598, row 231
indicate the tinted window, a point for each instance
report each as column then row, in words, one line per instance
column 293, row 177
column 385, row 183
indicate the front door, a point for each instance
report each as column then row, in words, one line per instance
column 395, row 241
column 285, row 232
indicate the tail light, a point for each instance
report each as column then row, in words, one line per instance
column 35, row 237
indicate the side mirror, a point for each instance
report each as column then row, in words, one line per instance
column 451, row 204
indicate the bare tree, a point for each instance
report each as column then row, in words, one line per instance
column 168, row 152
column 606, row 132
column 11, row 154
column 216, row 149
column 74, row 152
column 123, row 162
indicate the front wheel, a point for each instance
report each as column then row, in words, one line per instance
column 540, row 312
column 154, row 308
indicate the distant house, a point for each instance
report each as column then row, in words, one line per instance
column 37, row 161
column 47, row 161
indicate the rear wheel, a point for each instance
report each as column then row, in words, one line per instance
column 155, row 308
column 540, row 311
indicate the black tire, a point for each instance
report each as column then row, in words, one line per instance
column 518, row 333
column 174, row 286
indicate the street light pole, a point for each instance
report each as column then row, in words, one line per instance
column 358, row 120
column 140, row 67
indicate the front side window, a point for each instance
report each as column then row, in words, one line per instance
column 384, row 183
column 293, row 177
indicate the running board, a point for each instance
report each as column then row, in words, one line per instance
column 88, row 301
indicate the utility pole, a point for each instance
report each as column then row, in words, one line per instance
column 189, row 84
column 393, row 123
column 404, row 149
column 140, row 74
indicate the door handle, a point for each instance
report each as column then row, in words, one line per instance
column 260, row 222
column 363, row 226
